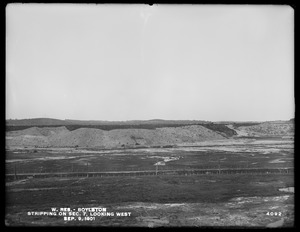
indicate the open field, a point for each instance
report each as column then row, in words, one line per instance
column 241, row 154
column 171, row 200
column 213, row 200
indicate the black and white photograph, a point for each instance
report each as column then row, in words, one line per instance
column 149, row 115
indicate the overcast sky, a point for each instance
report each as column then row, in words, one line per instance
column 126, row 62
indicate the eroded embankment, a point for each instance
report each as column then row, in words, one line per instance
column 119, row 138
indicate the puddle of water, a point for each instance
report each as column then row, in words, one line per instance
column 40, row 158
column 165, row 158
column 160, row 163
column 276, row 161
column 289, row 189
column 32, row 189
column 174, row 205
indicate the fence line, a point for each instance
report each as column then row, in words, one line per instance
column 214, row 171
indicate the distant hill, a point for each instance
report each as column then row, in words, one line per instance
column 237, row 122
column 135, row 122
column 57, row 122
column 36, row 122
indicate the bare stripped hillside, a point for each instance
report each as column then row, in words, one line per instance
column 89, row 137
column 40, row 137
column 36, row 131
column 269, row 128
column 83, row 137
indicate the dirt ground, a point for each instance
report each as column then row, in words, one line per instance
column 209, row 200
column 231, row 200
column 230, row 154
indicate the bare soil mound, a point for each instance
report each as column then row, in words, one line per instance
column 34, row 136
column 89, row 137
column 83, row 137
column 269, row 128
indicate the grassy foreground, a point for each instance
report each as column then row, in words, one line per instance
column 206, row 200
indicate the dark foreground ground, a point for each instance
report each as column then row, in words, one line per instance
column 238, row 200
column 247, row 198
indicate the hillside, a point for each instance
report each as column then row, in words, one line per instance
column 109, row 127
column 89, row 137
column 56, row 122
column 274, row 128
column 154, row 132
column 136, row 122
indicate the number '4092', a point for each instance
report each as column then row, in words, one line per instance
column 274, row 214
